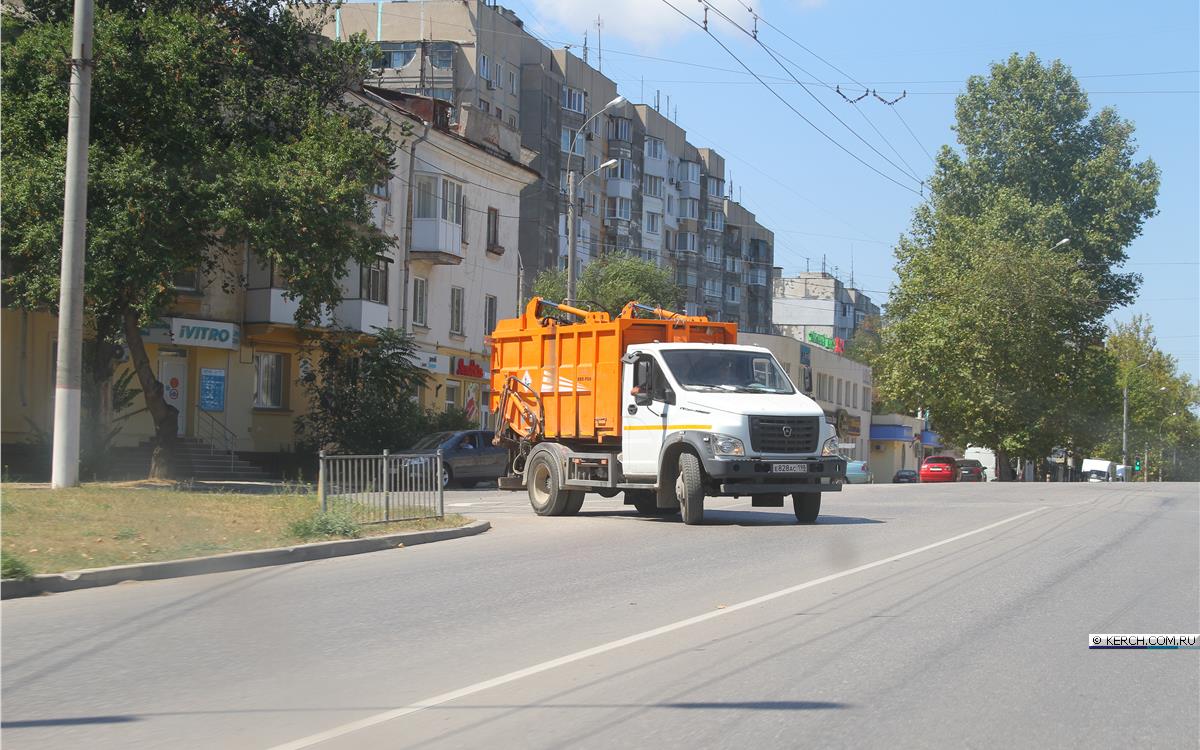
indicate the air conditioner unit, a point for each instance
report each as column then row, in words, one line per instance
column 588, row 136
column 491, row 85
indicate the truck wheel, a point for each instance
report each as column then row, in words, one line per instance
column 807, row 506
column 544, row 493
column 690, row 489
column 574, row 502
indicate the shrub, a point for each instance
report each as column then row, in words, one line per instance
column 14, row 567
column 333, row 523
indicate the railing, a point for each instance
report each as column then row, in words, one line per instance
column 220, row 439
column 378, row 489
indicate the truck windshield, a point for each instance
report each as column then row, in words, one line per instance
column 726, row 370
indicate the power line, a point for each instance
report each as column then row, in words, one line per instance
column 789, row 105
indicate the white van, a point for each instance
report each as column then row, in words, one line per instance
column 1099, row 470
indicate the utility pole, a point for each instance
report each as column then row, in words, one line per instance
column 65, row 463
column 571, row 250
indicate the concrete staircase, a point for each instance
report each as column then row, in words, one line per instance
column 206, row 463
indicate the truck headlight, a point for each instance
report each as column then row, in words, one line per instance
column 726, row 445
column 830, row 447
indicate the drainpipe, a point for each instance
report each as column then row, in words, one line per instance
column 408, row 226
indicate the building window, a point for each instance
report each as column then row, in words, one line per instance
column 493, row 227
column 512, row 82
column 426, row 198
column 622, row 170
column 712, row 252
column 715, row 220
column 187, row 280
column 399, row 55
column 565, row 142
column 485, row 70
column 685, row 242
column 716, row 187
column 839, row 391
column 374, row 282
column 453, row 388
column 456, row 310
column 499, row 113
column 620, row 128
column 484, row 106
column 452, row 197
column 269, row 380
column 620, row 208
column 733, row 294
column 573, row 99
column 420, row 301
column 653, row 222
column 442, row 55
column 652, row 186
column 670, row 205
column 654, row 148
column 689, row 208
column 489, row 314
column 689, row 171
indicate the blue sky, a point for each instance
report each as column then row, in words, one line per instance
column 1141, row 59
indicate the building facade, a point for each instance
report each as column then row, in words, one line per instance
column 818, row 307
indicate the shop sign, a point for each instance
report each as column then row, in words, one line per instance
column 820, row 339
column 207, row 333
column 432, row 362
column 158, row 332
column 467, row 368
column 853, row 426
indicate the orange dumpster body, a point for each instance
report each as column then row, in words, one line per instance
column 568, row 375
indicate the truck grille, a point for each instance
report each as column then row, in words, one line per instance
column 785, row 434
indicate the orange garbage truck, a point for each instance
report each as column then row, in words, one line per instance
column 664, row 407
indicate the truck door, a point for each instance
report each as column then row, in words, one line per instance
column 644, row 426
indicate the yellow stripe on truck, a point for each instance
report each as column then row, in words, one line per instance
column 669, row 427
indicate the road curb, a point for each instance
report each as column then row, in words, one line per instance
column 193, row 566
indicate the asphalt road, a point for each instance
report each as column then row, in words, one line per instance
column 909, row 616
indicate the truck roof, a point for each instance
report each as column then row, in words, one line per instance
column 698, row 345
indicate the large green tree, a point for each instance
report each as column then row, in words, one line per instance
column 216, row 126
column 611, row 281
column 996, row 324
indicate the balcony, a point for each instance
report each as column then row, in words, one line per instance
column 361, row 315
column 618, row 188
column 437, row 241
column 689, row 190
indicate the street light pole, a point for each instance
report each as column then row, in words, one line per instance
column 571, row 242
column 1125, row 421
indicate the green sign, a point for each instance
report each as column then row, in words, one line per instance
column 821, row 339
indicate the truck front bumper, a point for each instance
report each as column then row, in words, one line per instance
column 758, row 476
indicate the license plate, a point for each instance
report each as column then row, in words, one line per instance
column 789, row 468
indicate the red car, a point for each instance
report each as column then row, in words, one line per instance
column 939, row 469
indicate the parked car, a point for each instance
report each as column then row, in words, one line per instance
column 858, row 473
column 970, row 470
column 468, row 456
column 905, row 476
column 939, row 469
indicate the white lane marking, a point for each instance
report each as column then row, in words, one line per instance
column 545, row 666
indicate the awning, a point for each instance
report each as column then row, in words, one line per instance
column 898, row 432
column 930, row 439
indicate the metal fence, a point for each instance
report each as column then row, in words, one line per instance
column 378, row 489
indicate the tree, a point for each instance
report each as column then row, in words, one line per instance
column 217, row 125
column 995, row 325
column 1162, row 404
column 611, row 281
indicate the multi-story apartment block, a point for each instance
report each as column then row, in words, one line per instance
column 817, row 307
column 664, row 200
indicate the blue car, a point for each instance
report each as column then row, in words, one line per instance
column 857, row 472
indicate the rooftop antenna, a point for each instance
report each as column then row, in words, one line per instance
column 657, row 100
column 585, row 47
column 599, row 45
column 822, row 262
column 851, row 265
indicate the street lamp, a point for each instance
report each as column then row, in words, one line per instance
column 571, row 262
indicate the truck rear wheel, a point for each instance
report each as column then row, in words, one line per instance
column 807, row 506
column 545, row 492
column 689, row 488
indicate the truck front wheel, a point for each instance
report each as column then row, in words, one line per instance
column 545, row 492
column 689, row 488
column 807, row 506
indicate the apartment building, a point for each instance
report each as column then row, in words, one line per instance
column 817, row 307
column 664, row 200
column 230, row 358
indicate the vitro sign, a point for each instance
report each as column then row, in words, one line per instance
column 206, row 333
column 468, row 368
column 838, row 345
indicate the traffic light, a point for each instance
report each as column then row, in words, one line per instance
column 1137, row 464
